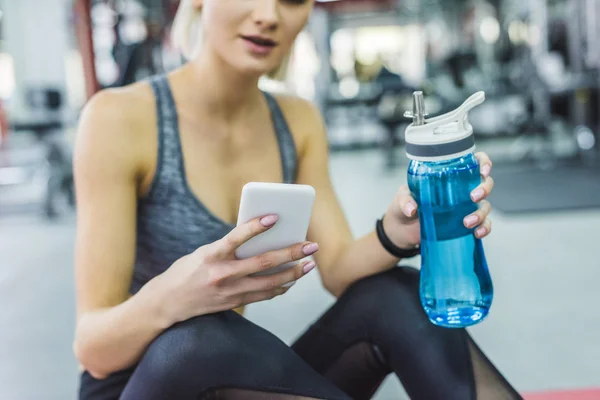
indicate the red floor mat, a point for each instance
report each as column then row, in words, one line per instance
column 589, row 394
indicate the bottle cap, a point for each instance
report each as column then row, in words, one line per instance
column 440, row 138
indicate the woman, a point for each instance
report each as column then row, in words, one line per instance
column 159, row 170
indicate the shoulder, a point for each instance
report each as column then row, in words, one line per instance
column 116, row 124
column 304, row 119
column 298, row 111
column 119, row 107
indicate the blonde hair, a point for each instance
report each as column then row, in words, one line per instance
column 187, row 36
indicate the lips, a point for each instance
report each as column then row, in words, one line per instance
column 259, row 46
column 261, row 41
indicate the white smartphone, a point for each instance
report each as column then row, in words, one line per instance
column 293, row 205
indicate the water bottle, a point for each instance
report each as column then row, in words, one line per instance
column 455, row 286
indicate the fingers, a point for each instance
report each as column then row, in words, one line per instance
column 272, row 259
column 242, row 233
column 480, row 193
column 484, row 229
column 479, row 217
column 256, row 297
column 483, row 190
column 472, row 220
column 252, row 289
column 270, row 282
column 485, row 164
column 408, row 205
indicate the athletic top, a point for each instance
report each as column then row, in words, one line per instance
column 171, row 220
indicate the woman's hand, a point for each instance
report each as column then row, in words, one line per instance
column 401, row 222
column 212, row 279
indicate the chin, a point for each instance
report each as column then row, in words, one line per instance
column 258, row 69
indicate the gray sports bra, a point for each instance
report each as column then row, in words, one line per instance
column 171, row 220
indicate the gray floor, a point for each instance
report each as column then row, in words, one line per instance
column 542, row 332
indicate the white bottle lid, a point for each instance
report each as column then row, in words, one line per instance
column 444, row 137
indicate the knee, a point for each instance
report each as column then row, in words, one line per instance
column 218, row 350
column 382, row 295
column 195, row 344
column 397, row 282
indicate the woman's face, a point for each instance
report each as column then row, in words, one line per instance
column 253, row 35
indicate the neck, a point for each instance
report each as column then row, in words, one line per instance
column 219, row 89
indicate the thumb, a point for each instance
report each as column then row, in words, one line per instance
column 406, row 205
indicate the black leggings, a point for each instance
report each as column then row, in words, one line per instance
column 375, row 328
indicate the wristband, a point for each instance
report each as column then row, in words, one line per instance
column 391, row 247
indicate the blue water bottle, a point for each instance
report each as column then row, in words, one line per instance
column 455, row 287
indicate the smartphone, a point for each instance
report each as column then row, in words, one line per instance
column 293, row 205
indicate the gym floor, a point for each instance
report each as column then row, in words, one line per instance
column 542, row 332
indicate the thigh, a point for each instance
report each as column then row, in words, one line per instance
column 340, row 346
column 110, row 388
column 218, row 351
column 378, row 326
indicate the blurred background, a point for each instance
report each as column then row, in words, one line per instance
column 538, row 62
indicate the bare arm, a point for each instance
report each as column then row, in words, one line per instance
column 112, row 329
column 341, row 260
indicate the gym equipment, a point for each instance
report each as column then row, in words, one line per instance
column 48, row 162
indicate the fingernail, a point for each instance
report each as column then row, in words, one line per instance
column 477, row 194
column 310, row 248
column 471, row 220
column 480, row 231
column 485, row 170
column 309, row 267
column 269, row 220
column 408, row 209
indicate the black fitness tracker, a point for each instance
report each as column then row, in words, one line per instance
column 391, row 247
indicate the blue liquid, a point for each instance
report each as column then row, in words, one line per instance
column 455, row 287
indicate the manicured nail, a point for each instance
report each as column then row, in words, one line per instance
column 481, row 231
column 477, row 194
column 409, row 209
column 269, row 220
column 309, row 267
column 471, row 220
column 485, row 170
column 310, row 248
